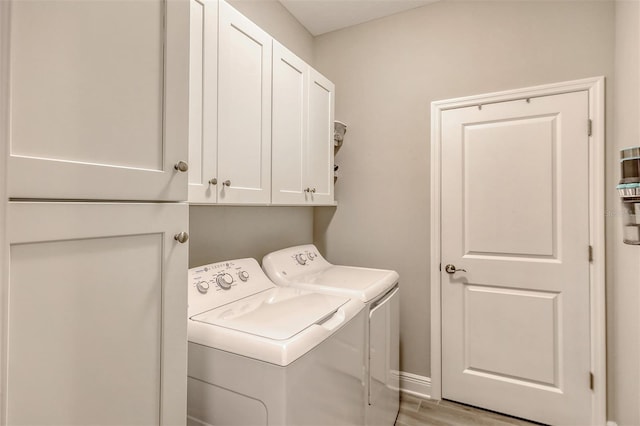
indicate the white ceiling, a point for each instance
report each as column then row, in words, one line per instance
column 323, row 16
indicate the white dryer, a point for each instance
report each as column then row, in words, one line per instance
column 303, row 267
column 264, row 355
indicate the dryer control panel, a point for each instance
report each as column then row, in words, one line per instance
column 217, row 284
column 289, row 263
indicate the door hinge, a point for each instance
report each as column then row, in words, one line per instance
column 440, row 267
column 590, row 127
column 591, row 380
column 590, row 253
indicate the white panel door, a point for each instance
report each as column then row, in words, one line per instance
column 319, row 153
column 98, row 99
column 515, row 323
column 96, row 330
column 244, row 110
column 203, row 102
column 289, row 135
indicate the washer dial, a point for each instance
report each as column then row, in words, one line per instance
column 301, row 258
column 202, row 287
column 243, row 275
column 224, row 281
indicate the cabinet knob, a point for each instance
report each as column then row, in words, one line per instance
column 227, row 182
column 313, row 190
column 213, row 181
column 307, row 190
column 181, row 166
column 182, row 237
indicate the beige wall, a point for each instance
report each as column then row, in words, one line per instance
column 387, row 72
column 221, row 233
column 623, row 290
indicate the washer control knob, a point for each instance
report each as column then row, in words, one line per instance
column 311, row 255
column 224, row 281
column 243, row 275
column 301, row 258
column 202, row 287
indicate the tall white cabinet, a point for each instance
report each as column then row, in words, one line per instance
column 98, row 104
column 95, row 298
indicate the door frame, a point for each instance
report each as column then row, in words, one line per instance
column 595, row 87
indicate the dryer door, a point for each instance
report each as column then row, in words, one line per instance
column 384, row 338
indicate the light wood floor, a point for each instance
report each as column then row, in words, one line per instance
column 420, row 412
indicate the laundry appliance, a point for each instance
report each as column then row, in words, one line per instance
column 265, row 355
column 303, row 267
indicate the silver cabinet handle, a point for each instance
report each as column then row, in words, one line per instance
column 213, row 181
column 182, row 237
column 181, row 166
column 227, row 182
column 451, row 269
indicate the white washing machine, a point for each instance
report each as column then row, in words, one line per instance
column 303, row 267
column 264, row 355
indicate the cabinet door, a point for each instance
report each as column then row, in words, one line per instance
column 203, row 102
column 319, row 154
column 96, row 330
column 289, row 120
column 99, row 99
column 244, row 110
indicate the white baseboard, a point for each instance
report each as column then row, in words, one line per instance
column 415, row 385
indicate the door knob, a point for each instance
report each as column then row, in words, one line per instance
column 182, row 237
column 451, row 269
column 181, row 166
column 213, row 181
column 226, row 183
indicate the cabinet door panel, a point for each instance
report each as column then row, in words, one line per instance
column 319, row 155
column 203, row 101
column 96, row 328
column 289, row 114
column 244, row 112
column 99, row 97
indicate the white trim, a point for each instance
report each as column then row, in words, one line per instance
column 413, row 384
column 595, row 88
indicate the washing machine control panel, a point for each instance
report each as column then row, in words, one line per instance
column 219, row 283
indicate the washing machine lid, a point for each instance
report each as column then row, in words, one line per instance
column 277, row 314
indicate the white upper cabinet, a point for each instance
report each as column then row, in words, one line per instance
column 99, row 99
column 244, row 110
column 203, row 102
column 290, row 118
column 319, row 158
column 261, row 119
column 302, row 146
